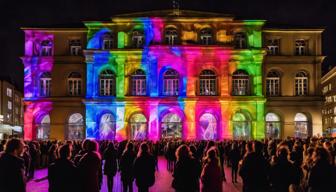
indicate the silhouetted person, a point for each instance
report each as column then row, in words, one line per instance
column 82, row 152
column 282, row 171
column 27, row 159
column 52, row 154
column 187, row 171
column 126, row 167
column 234, row 156
column 144, row 169
column 12, row 174
column 110, row 166
column 33, row 151
column 322, row 174
column 254, row 170
column 2, row 145
column 63, row 174
column 211, row 176
column 90, row 169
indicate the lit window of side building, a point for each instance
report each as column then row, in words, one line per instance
column 328, row 81
column 154, row 75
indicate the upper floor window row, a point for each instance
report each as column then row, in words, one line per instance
column 273, row 84
column 74, row 84
column 172, row 36
column 300, row 47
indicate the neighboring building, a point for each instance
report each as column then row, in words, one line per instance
column 195, row 75
column 11, row 110
column 292, row 80
column 329, row 108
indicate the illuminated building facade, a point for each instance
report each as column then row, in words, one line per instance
column 329, row 107
column 11, row 109
column 154, row 75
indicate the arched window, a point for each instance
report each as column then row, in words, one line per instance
column 301, row 125
column 171, row 36
column 46, row 48
column 171, row 83
column 138, row 83
column 240, row 83
column 208, row 126
column 45, row 84
column 208, row 83
column 107, row 81
column 273, row 126
column 107, row 127
column 301, row 84
column 75, row 84
column 171, row 126
column 206, row 36
column 241, row 126
column 240, row 41
column 273, row 84
column 138, row 39
column 43, row 128
column 107, row 41
column 138, row 124
column 75, row 129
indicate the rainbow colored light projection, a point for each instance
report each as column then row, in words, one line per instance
column 187, row 115
column 154, row 116
column 34, row 67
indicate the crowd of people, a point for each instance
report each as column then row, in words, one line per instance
column 269, row 165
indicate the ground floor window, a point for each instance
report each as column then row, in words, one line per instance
column 171, row 126
column 241, row 126
column 273, row 126
column 138, row 124
column 301, row 125
column 208, row 126
column 107, row 127
column 75, row 128
column 43, row 128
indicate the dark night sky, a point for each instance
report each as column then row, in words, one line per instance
column 15, row 14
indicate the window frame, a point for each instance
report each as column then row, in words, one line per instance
column 208, row 84
column 241, row 80
column 45, row 84
column 273, row 84
column 171, row 83
column 107, row 83
column 172, row 38
column 301, row 84
column 138, row 83
column 74, row 84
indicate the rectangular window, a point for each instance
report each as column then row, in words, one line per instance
column 75, row 47
column 46, row 48
column 45, row 86
column 139, row 87
column 9, row 105
column 170, row 87
column 107, row 87
column 301, row 88
column 9, row 92
column 16, row 110
column 240, row 86
column 301, row 47
column 208, row 87
column 272, row 86
column 273, row 47
column 17, row 99
column 74, row 86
